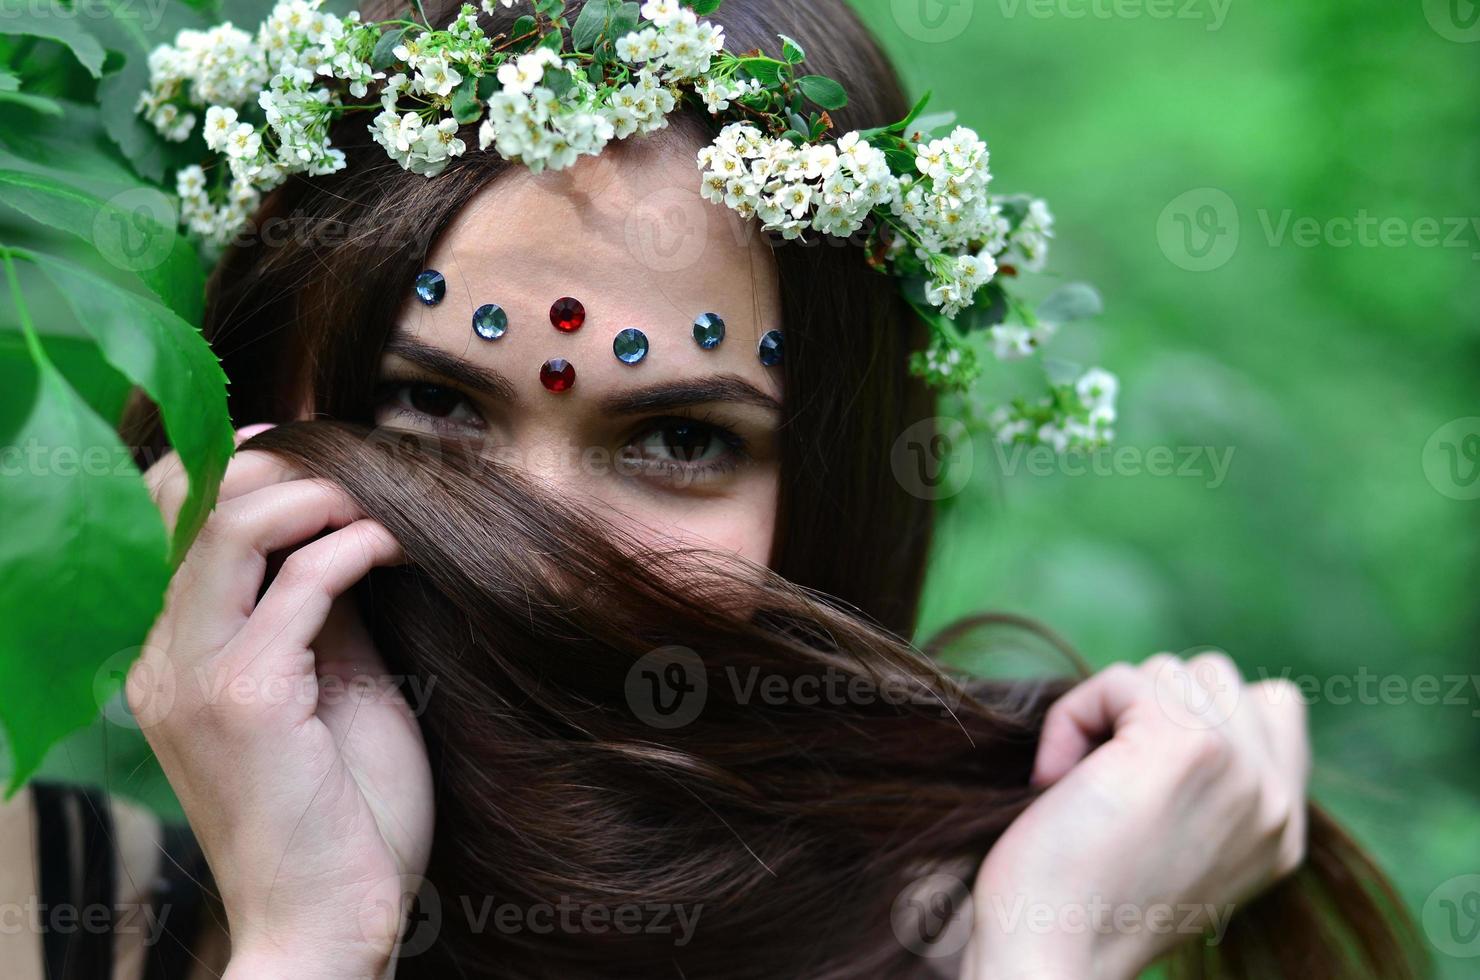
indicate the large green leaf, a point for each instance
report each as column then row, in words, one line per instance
column 80, row 362
column 35, row 103
column 83, row 560
column 73, row 147
column 134, row 229
column 53, row 21
column 169, row 359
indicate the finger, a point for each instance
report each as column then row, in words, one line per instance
column 1282, row 712
column 252, row 470
column 1083, row 718
column 354, row 682
column 222, row 575
column 297, row 605
column 168, row 483
column 1211, row 695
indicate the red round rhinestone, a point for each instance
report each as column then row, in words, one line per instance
column 567, row 314
column 558, row 375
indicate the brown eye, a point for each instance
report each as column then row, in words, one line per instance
column 433, row 400
column 688, row 441
column 432, row 404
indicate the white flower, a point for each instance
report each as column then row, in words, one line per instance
column 954, row 290
column 947, row 207
column 242, row 142
column 639, row 46
column 390, row 93
column 795, row 199
column 350, row 68
column 329, row 161
column 1098, row 388
column 190, row 184
column 1101, row 417
column 1011, row 342
column 689, row 46
column 819, row 160
column 490, row 9
column 437, row 145
column 1053, row 435
column 1012, row 431
column 220, row 121
column 1030, row 238
column 436, row 77
column 409, row 51
column 397, row 134
column 523, row 73
column 661, row 12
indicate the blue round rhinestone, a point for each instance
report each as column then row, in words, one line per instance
column 431, row 287
column 769, row 351
column 490, row 321
column 709, row 330
column 630, row 345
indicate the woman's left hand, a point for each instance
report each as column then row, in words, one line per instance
column 1174, row 791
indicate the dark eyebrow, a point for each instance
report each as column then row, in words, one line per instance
column 452, row 368
column 687, row 392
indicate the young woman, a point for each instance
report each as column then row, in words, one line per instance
column 607, row 673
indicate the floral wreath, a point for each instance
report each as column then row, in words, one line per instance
column 548, row 92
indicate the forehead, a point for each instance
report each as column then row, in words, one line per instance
column 629, row 236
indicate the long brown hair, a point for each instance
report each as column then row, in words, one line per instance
column 792, row 828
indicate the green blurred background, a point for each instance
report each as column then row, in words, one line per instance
column 1334, row 548
column 1278, row 202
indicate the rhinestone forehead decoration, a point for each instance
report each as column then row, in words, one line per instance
column 490, row 321
column 769, row 351
column 567, row 314
column 431, row 286
column 558, row 375
column 709, row 330
column 630, row 345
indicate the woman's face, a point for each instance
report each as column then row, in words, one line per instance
column 679, row 447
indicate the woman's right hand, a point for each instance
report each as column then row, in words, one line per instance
column 298, row 762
